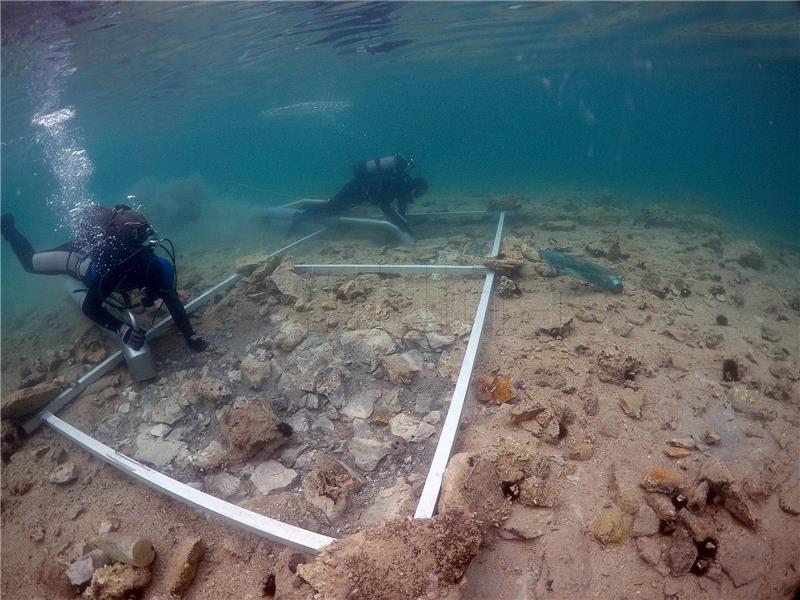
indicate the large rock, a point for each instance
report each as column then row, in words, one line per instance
column 376, row 563
column 272, row 476
column 117, row 582
column 367, row 452
column 362, row 404
column 290, row 334
column 750, row 403
column 22, row 403
column 471, row 484
column 367, row 345
column 156, row 451
column 251, row 428
column 330, row 485
column 400, row 368
column 166, row 410
column 293, row 289
column 410, row 428
column 611, row 527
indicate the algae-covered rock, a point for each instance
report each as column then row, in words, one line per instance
column 611, row 527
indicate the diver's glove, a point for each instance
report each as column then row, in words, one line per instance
column 197, row 344
column 132, row 336
column 6, row 223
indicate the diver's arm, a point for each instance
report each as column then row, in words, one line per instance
column 394, row 217
column 181, row 320
column 93, row 308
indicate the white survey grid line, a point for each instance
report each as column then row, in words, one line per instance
column 433, row 482
column 352, row 269
column 277, row 531
column 270, row 528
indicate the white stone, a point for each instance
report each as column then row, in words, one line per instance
column 362, row 404
column 410, row 428
column 290, row 335
column 160, row 430
column 234, row 376
column 299, row 421
column 432, row 417
column 224, row 485
column 365, row 345
column 124, row 408
column 80, row 572
column 166, row 411
column 439, row 342
column 156, row 452
column 209, row 457
column 389, row 503
column 367, row 453
column 271, row 476
column 323, row 424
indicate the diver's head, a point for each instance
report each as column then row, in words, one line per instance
column 419, row 186
column 129, row 226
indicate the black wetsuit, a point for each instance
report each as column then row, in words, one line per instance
column 104, row 267
column 380, row 191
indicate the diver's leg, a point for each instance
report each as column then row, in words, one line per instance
column 19, row 243
column 61, row 260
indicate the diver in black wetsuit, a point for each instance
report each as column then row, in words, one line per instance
column 379, row 182
column 110, row 253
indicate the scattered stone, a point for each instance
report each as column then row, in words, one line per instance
column 256, row 369
column 331, row 382
column 716, row 473
column 258, row 260
column 106, row 527
column 660, row 480
column 681, row 555
column 24, row 402
column 646, row 522
column 581, row 451
column 362, row 404
column 364, row 345
column 750, row 403
column 160, row 430
column 81, row 571
column 711, row 437
column 352, row 289
column 224, row 485
column 390, row 502
column 739, row 505
column 722, row 320
column 271, row 475
column 410, row 428
column 417, row 340
column 632, row 404
column 527, row 409
column 789, row 499
column 37, row 533
column 432, row 418
column 167, row 410
column 353, row 564
column 698, row 497
column 183, row 565
column 367, row 453
column 213, row 389
column 324, row 425
column 650, row 550
column 508, row 264
column 438, row 342
column 64, row 474
column 698, row 528
column 116, row 582
column 662, row 506
column 770, row 334
column 251, row 428
column 293, row 289
column 508, row 288
column 210, row 457
column 674, row 452
column 611, row 527
column 617, row 367
column 330, row 485
column 290, row 334
column 156, row 451
column 683, row 442
column 400, row 368
column 127, row 548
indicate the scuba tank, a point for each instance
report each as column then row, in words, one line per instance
column 377, row 167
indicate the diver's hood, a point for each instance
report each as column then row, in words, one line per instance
column 129, row 226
